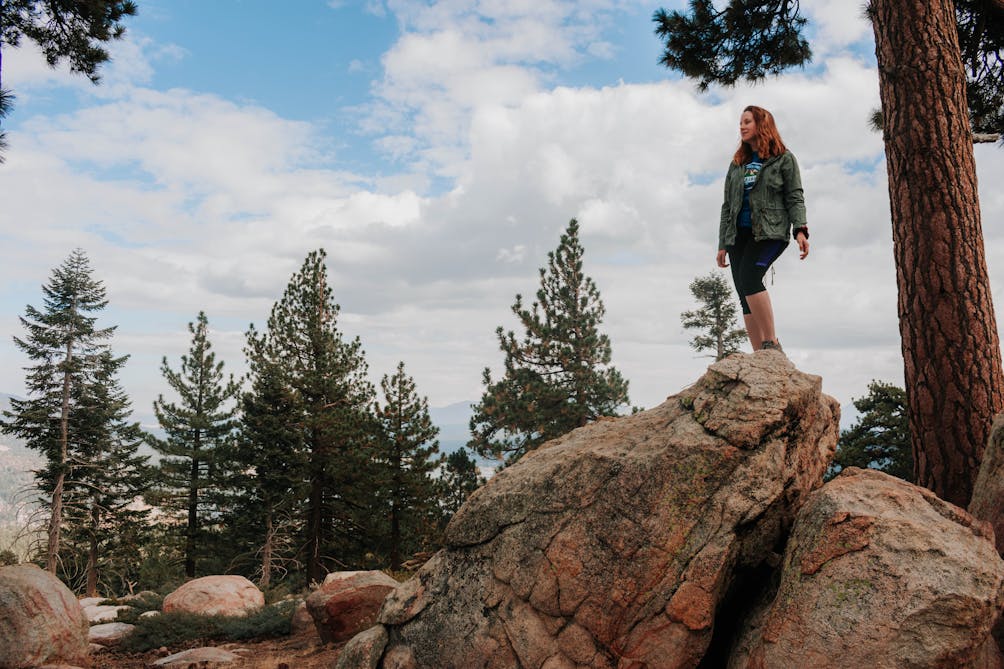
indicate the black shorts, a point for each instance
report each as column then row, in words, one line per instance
column 750, row 260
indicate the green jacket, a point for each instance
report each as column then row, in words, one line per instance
column 776, row 200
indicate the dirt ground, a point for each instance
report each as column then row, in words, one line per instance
column 298, row 652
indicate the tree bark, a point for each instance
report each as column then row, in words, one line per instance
column 91, row 589
column 951, row 351
column 56, row 515
column 266, row 551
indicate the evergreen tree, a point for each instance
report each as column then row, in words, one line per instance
column 273, row 464
column 77, row 415
column 557, row 378
column 66, row 348
column 880, row 438
column 106, row 478
column 716, row 318
column 460, row 477
column 930, row 54
column 196, row 427
column 407, row 444
column 326, row 378
column 68, row 30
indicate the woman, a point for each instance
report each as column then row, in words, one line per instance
column 763, row 205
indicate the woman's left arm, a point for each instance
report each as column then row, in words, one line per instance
column 794, row 202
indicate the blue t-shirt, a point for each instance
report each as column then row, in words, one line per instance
column 750, row 174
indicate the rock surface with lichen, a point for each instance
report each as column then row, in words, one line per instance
column 614, row 545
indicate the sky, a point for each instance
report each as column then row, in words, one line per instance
column 436, row 151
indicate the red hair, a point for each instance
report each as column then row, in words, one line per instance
column 769, row 139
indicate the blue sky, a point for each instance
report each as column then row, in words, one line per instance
column 436, row 150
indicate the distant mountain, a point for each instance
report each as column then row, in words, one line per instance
column 17, row 462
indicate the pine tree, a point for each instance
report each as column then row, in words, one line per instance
column 271, row 478
column 880, row 438
column 106, row 478
column 407, row 444
column 716, row 317
column 77, row 415
column 66, row 347
column 557, row 378
column 460, row 477
column 326, row 377
column 930, row 54
column 196, row 428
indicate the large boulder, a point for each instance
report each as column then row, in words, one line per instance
column 614, row 545
column 988, row 491
column 880, row 573
column 216, row 595
column 40, row 620
column 348, row 602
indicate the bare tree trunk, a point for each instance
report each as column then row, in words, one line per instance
column 266, row 551
column 56, row 517
column 951, row 351
column 92, row 554
column 193, row 514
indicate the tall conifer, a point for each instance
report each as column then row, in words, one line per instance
column 77, row 416
column 558, row 376
column 406, row 450
column 197, row 426
column 326, row 376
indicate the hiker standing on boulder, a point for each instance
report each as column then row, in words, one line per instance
column 763, row 205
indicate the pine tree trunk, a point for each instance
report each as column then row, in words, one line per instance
column 395, row 516
column 951, row 351
column 56, row 516
column 314, row 522
column 266, row 551
column 193, row 517
column 92, row 554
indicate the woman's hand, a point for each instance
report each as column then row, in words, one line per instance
column 721, row 258
column 803, row 245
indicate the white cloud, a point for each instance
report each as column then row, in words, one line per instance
column 217, row 203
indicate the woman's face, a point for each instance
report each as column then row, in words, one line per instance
column 747, row 127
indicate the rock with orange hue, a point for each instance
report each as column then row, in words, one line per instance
column 40, row 620
column 216, row 595
column 348, row 602
column 880, row 573
column 614, row 545
column 988, row 491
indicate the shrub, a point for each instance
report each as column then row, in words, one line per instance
column 178, row 627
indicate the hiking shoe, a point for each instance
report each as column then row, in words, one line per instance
column 771, row 345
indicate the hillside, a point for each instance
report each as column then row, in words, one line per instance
column 16, row 465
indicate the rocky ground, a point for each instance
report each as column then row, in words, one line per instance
column 298, row 652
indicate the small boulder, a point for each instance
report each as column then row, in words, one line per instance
column 40, row 620
column 879, row 573
column 109, row 634
column 91, row 601
column 348, row 603
column 216, row 595
column 149, row 614
column 196, row 656
column 364, row 650
column 102, row 613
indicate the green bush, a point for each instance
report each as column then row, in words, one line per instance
column 177, row 627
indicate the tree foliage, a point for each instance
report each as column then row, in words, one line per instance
column 752, row 39
column 460, row 477
column 748, row 39
column 198, row 426
column 715, row 319
column 557, row 376
column 880, row 438
column 65, row 30
column 405, row 459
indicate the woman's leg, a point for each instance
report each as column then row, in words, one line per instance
column 756, row 260
column 763, row 315
column 738, row 259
